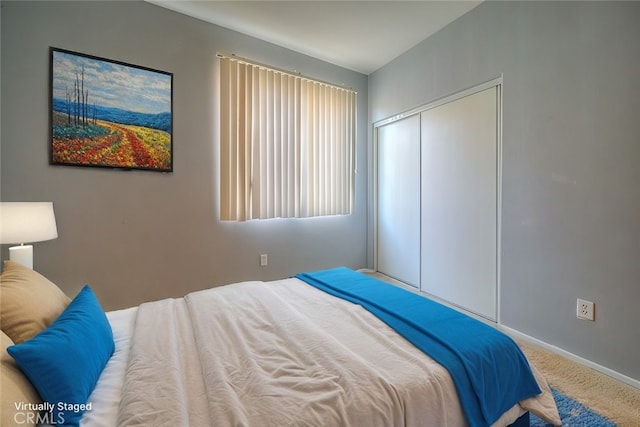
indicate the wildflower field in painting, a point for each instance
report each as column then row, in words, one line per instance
column 104, row 143
column 109, row 114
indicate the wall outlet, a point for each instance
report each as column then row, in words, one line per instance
column 585, row 310
column 264, row 260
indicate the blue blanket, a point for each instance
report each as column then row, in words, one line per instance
column 488, row 369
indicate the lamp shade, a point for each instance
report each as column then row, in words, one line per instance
column 27, row 222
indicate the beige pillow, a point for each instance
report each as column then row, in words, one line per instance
column 15, row 388
column 29, row 302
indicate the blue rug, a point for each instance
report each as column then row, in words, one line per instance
column 573, row 414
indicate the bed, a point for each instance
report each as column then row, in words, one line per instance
column 287, row 353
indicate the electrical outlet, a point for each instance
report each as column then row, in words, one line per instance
column 585, row 310
column 264, row 260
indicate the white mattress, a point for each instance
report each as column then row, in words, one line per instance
column 106, row 395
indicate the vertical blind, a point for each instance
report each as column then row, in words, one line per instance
column 286, row 144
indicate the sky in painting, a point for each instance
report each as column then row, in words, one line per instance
column 111, row 84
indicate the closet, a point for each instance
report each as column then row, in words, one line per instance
column 437, row 205
column 398, row 200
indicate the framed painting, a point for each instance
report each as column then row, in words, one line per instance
column 106, row 113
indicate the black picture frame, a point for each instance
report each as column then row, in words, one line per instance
column 107, row 113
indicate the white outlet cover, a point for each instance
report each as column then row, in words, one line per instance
column 585, row 310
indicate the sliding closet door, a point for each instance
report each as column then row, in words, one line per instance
column 398, row 214
column 459, row 202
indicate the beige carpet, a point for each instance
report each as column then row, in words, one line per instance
column 608, row 397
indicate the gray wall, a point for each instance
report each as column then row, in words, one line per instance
column 137, row 236
column 571, row 147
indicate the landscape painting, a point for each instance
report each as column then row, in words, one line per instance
column 107, row 113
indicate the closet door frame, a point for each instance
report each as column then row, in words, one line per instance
column 498, row 83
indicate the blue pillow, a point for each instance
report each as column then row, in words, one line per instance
column 65, row 360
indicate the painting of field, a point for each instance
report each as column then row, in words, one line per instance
column 109, row 114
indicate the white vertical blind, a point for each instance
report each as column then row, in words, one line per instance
column 286, row 144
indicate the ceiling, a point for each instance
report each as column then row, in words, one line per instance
column 358, row 35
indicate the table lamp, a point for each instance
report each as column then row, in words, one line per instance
column 26, row 222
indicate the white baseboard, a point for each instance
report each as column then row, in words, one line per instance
column 581, row 360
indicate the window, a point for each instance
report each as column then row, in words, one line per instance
column 286, row 144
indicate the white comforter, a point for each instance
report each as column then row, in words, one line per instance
column 283, row 354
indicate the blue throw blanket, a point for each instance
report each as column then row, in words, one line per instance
column 488, row 369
